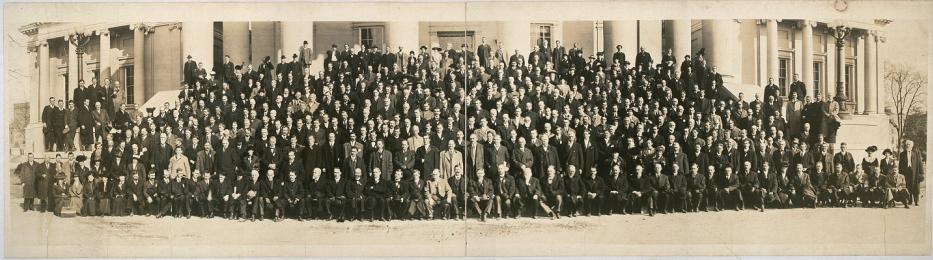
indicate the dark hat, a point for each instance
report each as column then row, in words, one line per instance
column 81, row 158
column 294, row 55
column 305, row 42
column 189, row 56
column 887, row 151
column 283, row 56
column 871, row 149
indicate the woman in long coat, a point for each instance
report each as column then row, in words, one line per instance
column 76, row 194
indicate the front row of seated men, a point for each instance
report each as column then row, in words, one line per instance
column 500, row 195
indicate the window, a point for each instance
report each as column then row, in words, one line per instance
column 541, row 33
column 850, row 81
column 817, row 75
column 783, row 69
column 371, row 37
column 366, row 37
column 130, row 80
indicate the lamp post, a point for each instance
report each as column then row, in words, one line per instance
column 80, row 40
column 840, row 32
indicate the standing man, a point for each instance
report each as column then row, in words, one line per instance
column 47, row 123
column 191, row 71
column 484, row 52
column 450, row 159
column 911, row 165
column 27, row 175
column 797, row 87
column 304, row 55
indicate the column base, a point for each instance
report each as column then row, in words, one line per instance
column 35, row 139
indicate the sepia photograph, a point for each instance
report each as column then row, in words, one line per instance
column 466, row 129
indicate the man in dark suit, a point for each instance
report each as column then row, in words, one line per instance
column 773, row 91
column 190, row 71
column 484, row 52
column 334, row 192
column 354, row 192
column 459, row 187
column 481, row 194
column 595, row 193
column 910, row 164
column 573, row 185
column 376, row 190
column 797, row 87
column 47, row 125
column 250, row 200
column 506, row 194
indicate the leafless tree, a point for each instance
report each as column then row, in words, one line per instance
column 907, row 90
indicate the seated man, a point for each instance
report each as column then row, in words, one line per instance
column 529, row 193
column 729, row 189
column 594, row 189
column 223, row 190
column 679, row 194
column 573, row 185
column 293, row 195
column 204, row 195
column 841, row 191
column 251, row 198
column 553, row 189
column 166, row 197
column 398, row 196
column 713, row 196
column 505, row 193
column 334, row 191
column 315, row 195
column 696, row 187
column 354, row 193
column 459, row 189
column 417, row 206
column 271, row 192
column 895, row 189
column 481, row 194
column 376, row 191
column 440, row 196
column 619, row 191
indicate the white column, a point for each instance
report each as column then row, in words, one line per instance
column 38, row 98
column 623, row 33
column 680, row 37
column 402, row 33
column 871, row 86
column 720, row 39
column 515, row 35
column 773, row 49
column 881, row 50
column 72, row 70
column 43, row 90
column 842, row 73
column 197, row 40
column 104, row 57
column 807, row 57
column 139, row 53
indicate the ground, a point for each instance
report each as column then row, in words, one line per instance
column 823, row 231
column 830, row 231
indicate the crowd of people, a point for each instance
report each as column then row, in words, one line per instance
column 456, row 133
